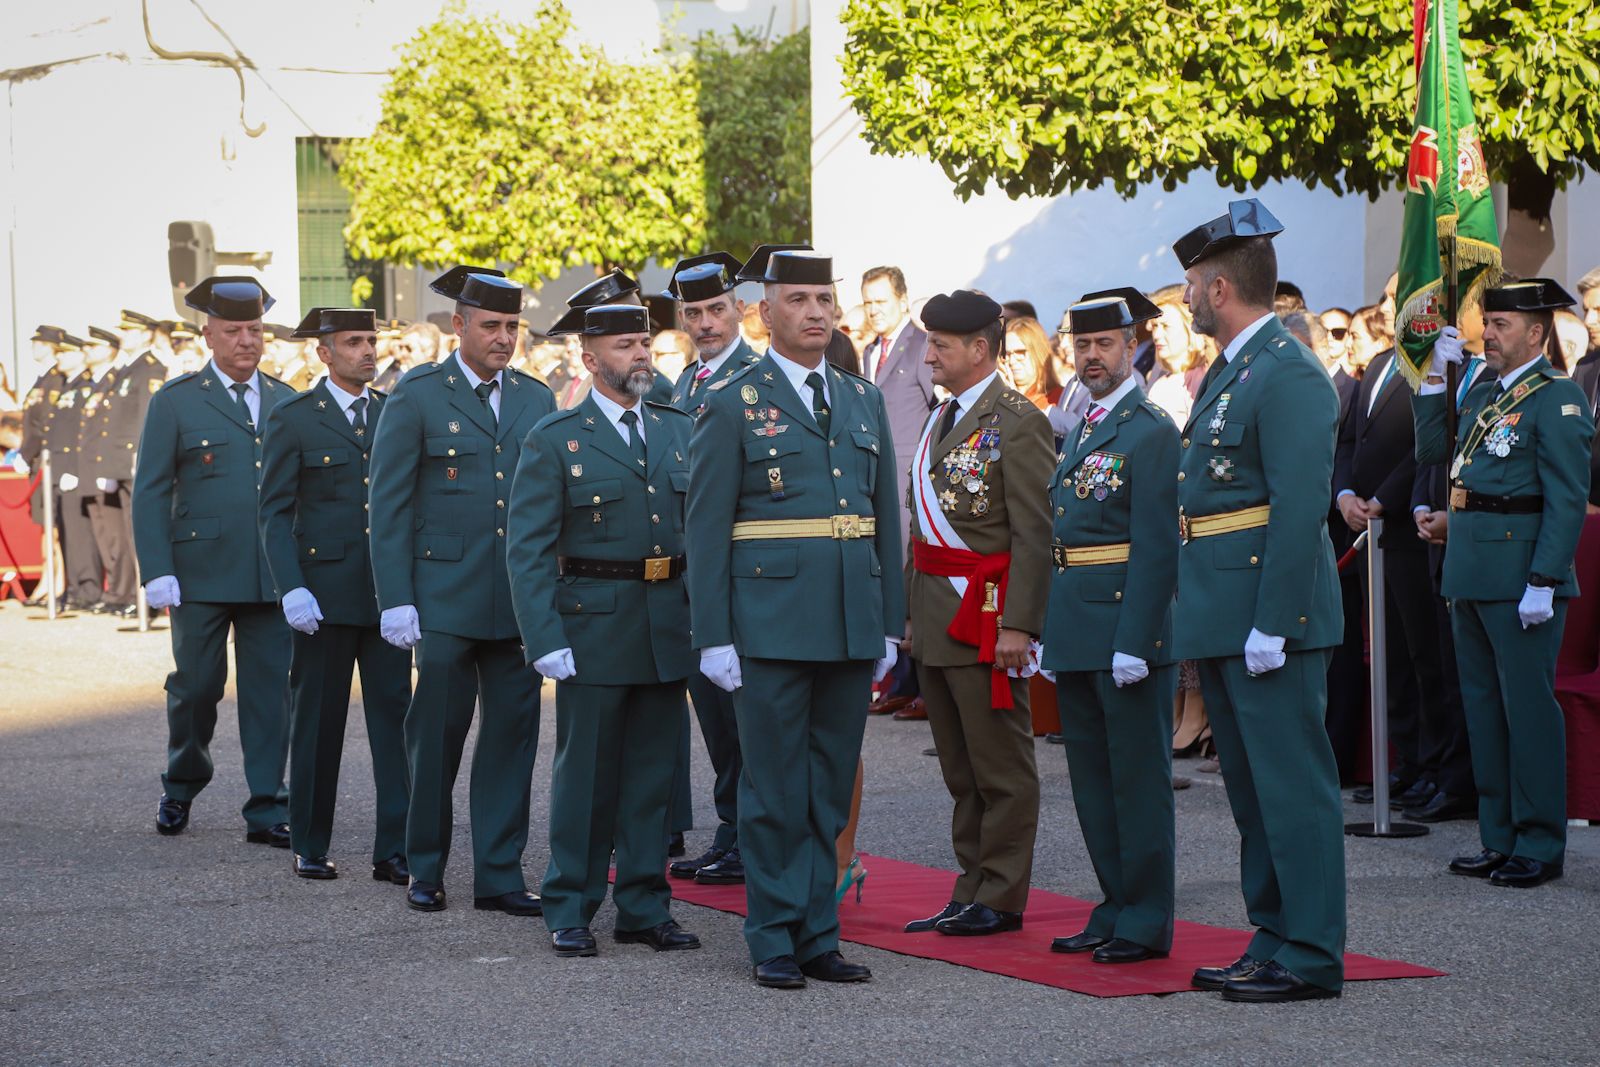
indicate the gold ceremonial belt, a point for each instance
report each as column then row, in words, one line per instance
column 1192, row 526
column 1089, row 555
column 838, row 527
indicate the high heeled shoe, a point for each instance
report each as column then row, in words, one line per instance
column 855, row 875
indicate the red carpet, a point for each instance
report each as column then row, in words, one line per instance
column 896, row 893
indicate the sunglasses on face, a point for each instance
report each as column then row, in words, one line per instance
column 1338, row 332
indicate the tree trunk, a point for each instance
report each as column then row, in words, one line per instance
column 1529, row 238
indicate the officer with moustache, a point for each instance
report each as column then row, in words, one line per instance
column 314, row 530
column 195, row 497
column 615, row 287
column 442, row 462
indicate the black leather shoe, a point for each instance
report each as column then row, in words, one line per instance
column 573, row 941
column 1217, row 977
column 393, row 870
column 1272, row 983
column 663, row 937
column 729, row 870
column 1077, row 942
column 276, row 836
column 1420, row 793
column 922, row 926
column 1121, row 950
column 425, row 896
column 780, row 972
column 675, row 845
column 1362, row 794
column 126, row 611
column 978, row 920
column 831, row 967
column 1054, row 739
column 1519, row 872
column 171, row 816
column 322, row 868
column 1442, row 807
column 687, row 868
column 1482, row 865
column 520, row 902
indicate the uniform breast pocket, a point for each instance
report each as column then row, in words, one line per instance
column 867, row 452
column 680, row 489
column 1230, row 436
column 450, row 463
column 320, row 471
column 598, row 509
column 772, row 464
column 205, row 453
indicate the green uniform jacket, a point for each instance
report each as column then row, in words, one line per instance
column 1007, row 513
column 578, row 492
column 441, row 483
column 689, row 397
column 313, row 514
column 197, row 489
column 1545, row 437
column 816, row 599
column 1119, row 486
column 1262, row 432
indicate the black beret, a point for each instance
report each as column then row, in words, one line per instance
column 1245, row 219
column 319, row 322
column 1534, row 294
column 232, row 298
column 606, row 320
column 963, row 311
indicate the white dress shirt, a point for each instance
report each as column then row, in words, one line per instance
column 473, row 381
column 712, row 365
column 875, row 351
column 252, row 391
column 613, row 412
column 797, row 375
column 347, row 400
column 1238, row 343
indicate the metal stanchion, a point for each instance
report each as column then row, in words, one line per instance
column 47, row 482
column 1380, row 826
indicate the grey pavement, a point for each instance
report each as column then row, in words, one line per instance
column 122, row 947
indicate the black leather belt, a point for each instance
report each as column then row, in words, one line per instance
column 1466, row 500
column 654, row 569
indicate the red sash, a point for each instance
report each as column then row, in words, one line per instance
column 977, row 620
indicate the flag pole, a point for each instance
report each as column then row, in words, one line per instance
column 1452, row 296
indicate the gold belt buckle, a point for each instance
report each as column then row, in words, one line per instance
column 1458, row 498
column 846, row 527
column 1183, row 528
column 658, row 568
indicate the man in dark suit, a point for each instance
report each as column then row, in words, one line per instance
column 894, row 363
column 1586, row 372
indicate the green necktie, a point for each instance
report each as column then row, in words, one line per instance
column 239, row 390
column 359, row 407
column 484, row 391
column 630, row 419
column 819, row 402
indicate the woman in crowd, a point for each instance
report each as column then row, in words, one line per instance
column 1369, row 335
column 1027, row 362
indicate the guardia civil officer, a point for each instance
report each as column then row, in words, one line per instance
column 796, row 601
column 442, row 461
column 976, row 590
column 1259, row 607
column 313, row 518
column 1519, row 482
column 195, row 495
column 1108, row 631
column 596, row 558
column 614, row 287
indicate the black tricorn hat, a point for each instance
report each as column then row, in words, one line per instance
column 798, row 267
column 450, row 282
column 755, row 268
column 319, row 322
column 236, row 299
column 1136, row 308
column 703, row 277
column 105, row 335
column 607, row 290
column 1534, row 294
column 605, row 320
column 132, row 320
column 964, row 311
column 1245, row 219
column 571, row 321
column 480, row 287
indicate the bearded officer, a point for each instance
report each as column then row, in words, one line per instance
column 614, row 287
column 977, row 589
column 1259, row 606
column 195, row 496
column 314, row 530
column 1519, row 481
column 1108, row 632
column 596, row 559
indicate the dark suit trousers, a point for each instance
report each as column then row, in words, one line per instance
column 319, row 688
column 680, row 807
column 123, row 577
column 452, row 674
column 720, row 729
column 200, row 671
column 1416, row 675
column 1347, row 676
column 1450, row 747
column 80, row 554
column 113, row 544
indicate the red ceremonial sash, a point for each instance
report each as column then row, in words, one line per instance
column 977, row 620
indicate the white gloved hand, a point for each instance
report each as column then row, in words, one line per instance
column 720, row 663
column 891, row 653
column 557, row 665
column 162, row 592
column 20, row 465
column 1538, row 605
column 1049, row 676
column 301, row 610
column 106, row 485
column 1446, row 350
column 68, row 482
column 1262, row 653
column 1125, row 669
column 399, row 626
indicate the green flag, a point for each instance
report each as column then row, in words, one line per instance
column 1447, row 193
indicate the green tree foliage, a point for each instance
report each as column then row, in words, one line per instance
column 1043, row 96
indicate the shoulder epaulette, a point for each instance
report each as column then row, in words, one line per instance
column 295, row 399
column 422, row 370
column 1015, row 401
column 185, row 376
column 558, row 415
column 667, row 407
column 379, row 393
column 1156, row 408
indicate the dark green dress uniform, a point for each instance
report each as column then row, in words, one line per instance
column 596, row 558
column 807, row 607
column 195, row 496
column 442, row 465
column 1519, row 485
column 1115, row 544
column 314, row 528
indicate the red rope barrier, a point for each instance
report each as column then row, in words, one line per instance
column 19, row 505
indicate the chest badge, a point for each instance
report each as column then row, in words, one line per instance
column 455, row 427
column 207, row 458
column 572, row 446
column 450, row 473
column 577, row 470
column 1220, row 468
column 322, row 405
column 748, row 394
column 1500, row 439
column 1219, row 417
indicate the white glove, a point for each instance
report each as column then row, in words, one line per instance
column 1446, row 350
column 891, row 652
column 162, row 592
column 1125, row 669
column 301, row 610
column 20, row 465
column 1049, row 676
column 1537, row 606
column 399, row 626
column 557, row 665
column 68, row 482
column 106, row 485
column 720, row 663
column 1262, row 653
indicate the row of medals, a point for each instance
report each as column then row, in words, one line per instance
column 967, row 465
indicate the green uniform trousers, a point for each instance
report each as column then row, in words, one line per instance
column 1283, row 786
column 1517, row 730
column 453, row 672
column 800, row 729
column 1119, row 753
column 319, row 689
column 616, row 749
column 720, row 729
column 200, row 671
column 680, row 805
column 987, row 756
